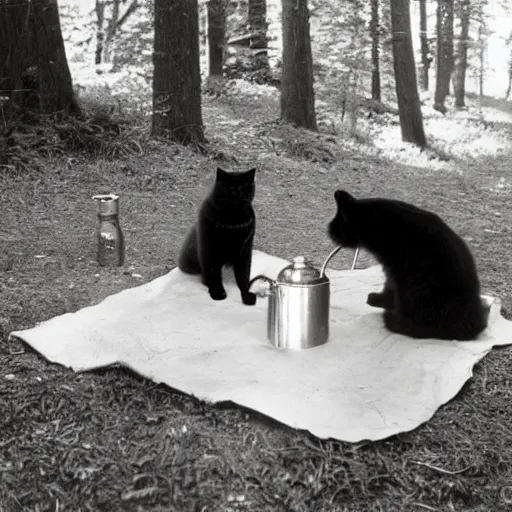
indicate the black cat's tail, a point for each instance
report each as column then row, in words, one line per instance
column 188, row 260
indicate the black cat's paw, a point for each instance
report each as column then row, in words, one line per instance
column 374, row 300
column 380, row 300
column 217, row 293
column 249, row 299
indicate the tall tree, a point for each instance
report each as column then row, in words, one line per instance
column 411, row 118
column 463, row 8
column 257, row 18
column 509, row 86
column 297, row 93
column 509, row 66
column 444, row 68
column 375, row 35
column 216, row 36
column 105, row 35
column 257, row 10
column 177, row 110
column 481, row 54
column 426, row 59
column 99, row 8
column 34, row 72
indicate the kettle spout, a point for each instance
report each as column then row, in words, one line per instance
column 262, row 286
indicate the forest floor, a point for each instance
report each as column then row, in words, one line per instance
column 109, row 440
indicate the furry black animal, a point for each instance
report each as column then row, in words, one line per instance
column 432, row 288
column 223, row 234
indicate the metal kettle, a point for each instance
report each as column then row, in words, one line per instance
column 298, row 308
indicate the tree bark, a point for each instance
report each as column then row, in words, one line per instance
column 56, row 87
column 34, row 73
column 115, row 23
column 257, row 10
column 509, row 86
column 461, row 55
column 444, row 52
column 100, row 33
column 216, row 36
column 508, row 42
column 411, row 119
column 375, row 36
column 176, row 77
column 481, row 57
column 297, row 93
column 111, row 30
column 425, row 51
column 104, row 37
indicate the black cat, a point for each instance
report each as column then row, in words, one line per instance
column 432, row 288
column 223, row 235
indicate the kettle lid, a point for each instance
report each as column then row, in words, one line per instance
column 300, row 271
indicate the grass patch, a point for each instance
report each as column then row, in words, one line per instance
column 26, row 146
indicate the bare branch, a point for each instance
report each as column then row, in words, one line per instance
column 131, row 9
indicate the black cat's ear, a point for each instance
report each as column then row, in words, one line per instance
column 221, row 174
column 344, row 199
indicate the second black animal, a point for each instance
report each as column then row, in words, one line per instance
column 432, row 288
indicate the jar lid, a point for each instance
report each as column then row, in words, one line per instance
column 108, row 204
column 300, row 271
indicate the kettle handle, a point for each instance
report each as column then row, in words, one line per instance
column 269, row 282
column 333, row 252
column 324, row 266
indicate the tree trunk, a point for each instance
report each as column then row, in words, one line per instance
column 216, row 36
column 116, row 22
column 509, row 86
column 176, row 76
column 426, row 59
column 104, row 37
column 375, row 35
column 258, row 23
column 461, row 56
column 100, row 33
column 54, row 76
column 34, row 73
column 411, row 119
column 297, row 94
column 444, row 52
column 508, row 42
column 110, row 31
column 481, row 55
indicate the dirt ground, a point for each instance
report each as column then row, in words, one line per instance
column 108, row 440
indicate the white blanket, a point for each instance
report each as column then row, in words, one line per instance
column 364, row 383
